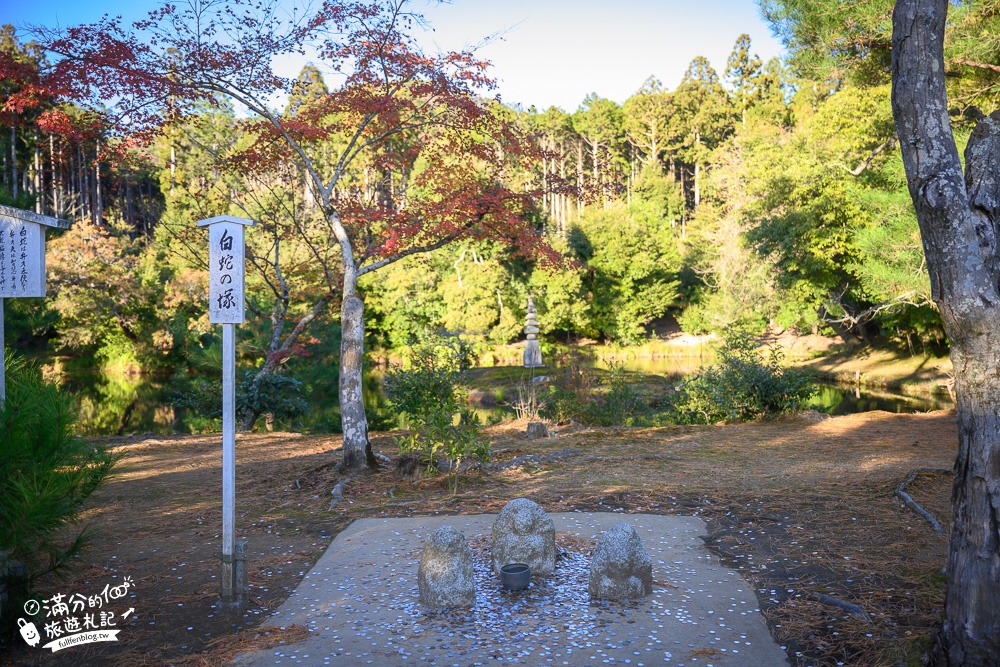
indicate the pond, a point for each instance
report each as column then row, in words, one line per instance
column 833, row 399
column 122, row 404
column 115, row 404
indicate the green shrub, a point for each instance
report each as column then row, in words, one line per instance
column 577, row 393
column 456, row 440
column 569, row 391
column 46, row 473
column 429, row 381
column 748, row 383
column 426, row 391
column 277, row 395
column 625, row 403
column 561, row 404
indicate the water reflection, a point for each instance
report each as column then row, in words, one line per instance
column 830, row 398
column 838, row 400
column 116, row 404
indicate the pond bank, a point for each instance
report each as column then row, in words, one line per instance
column 919, row 374
column 823, row 356
column 119, row 403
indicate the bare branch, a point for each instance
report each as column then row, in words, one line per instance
column 889, row 143
column 912, row 298
column 413, row 251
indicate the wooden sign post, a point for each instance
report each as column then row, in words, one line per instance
column 225, row 307
column 22, row 263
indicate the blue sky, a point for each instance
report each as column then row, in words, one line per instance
column 551, row 52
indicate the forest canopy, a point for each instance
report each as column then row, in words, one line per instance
column 759, row 194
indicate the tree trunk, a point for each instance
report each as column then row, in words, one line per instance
column 357, row 446
column 970, row 634
column 563, row 197
column 958, row 219
column 631, row 174
column 845, row 333
column 99, row 204
column 546, row 208
column 54, row 180
column 85, row 194
column 129, row 218
column 697, row 172
column 697, row 184
column 73, row 173
column 596, row 176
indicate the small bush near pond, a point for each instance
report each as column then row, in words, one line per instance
column 624, row 403
column 617, row 399
column 426, row 391
column 46, row 473
column 278, row 396
column 428, row 385
column 442, row 436
column 747, row 383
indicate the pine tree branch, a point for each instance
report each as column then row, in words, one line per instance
column 977, row 65
column 912, row 298
column 889, row 143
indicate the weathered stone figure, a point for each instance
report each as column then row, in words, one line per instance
column 444, row 576
column 532, row 351
column 620, row 568
column 524, row 533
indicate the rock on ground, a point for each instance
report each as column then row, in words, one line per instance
column 524, row 533
column 620, row 568
column 444, row 576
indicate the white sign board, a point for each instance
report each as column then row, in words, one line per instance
column 226, row 275
column 22, row 258
column 22, row 262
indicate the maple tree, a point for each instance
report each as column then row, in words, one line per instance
column 401, row 156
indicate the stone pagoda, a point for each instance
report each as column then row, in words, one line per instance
column 532, row 352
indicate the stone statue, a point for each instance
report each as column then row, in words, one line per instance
column 532, row 352
column 445, row 577
column 620, row 568
column 524, row 533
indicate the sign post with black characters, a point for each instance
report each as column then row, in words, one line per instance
column 22, row 262
column 226, row 307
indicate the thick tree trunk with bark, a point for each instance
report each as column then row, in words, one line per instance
column 958, row 216
column 970, row 635
column 357, row 447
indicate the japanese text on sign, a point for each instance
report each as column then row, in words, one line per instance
column 22, row 259
column 226, row 273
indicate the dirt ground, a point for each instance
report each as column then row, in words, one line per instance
column 804, row 507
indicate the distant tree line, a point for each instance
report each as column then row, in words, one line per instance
column 770, row 195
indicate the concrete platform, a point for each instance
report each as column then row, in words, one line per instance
column 360, row 605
